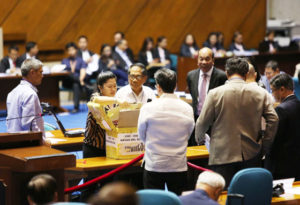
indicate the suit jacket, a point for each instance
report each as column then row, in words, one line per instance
column 232, row 47
column 156, row 54
column 285, row 152
column 264, row 46
column 121, row 64
column 4, row 64
column 20, row 60
column 199, row 196
column 79, row 53
column 185, row 50
column 142, row 57
column 234, row 111
column 218, row 77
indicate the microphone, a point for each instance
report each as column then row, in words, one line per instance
column 16, row 118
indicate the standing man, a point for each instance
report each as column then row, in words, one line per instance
column 203, row 79
column 136, row 92
column 8, row 64
column 23, row 104
column 234, row 111
column 285, row 154
column 165, row 126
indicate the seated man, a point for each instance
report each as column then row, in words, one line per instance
column 115, row 193
column 208, row 189
column 118, row 35
column 135, row 92
column 42, row 189
column 271, row 70
column 23, row 104
column 121, row 57
column 76, row 66
column 31, row 52
column 8, row 64
column 165, row 126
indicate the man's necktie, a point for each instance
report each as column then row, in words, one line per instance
column 202, row 93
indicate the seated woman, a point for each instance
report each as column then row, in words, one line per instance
column 189, row 48
column 237, row 43
column 76, row 66
column 107, row 63
column 94, row 141
column 212, row 43
column 146, row 53
column 161, row 51
column 268, row 44
column 220, row 37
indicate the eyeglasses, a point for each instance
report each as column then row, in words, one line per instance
column 138, row 77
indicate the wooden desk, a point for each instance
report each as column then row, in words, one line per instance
column 48, row 90
column 286, row 60
column 67, row 144
column 285, row 200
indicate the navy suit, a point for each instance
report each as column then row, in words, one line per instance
column 199, row 196
column 284, row 157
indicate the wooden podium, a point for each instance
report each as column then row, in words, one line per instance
column 23, row 156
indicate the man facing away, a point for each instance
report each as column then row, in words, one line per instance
column 234, row 111
column 284, row 157
column 23, row 104
column 208, row 189
column 165, row 126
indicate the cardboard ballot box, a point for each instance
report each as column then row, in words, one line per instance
column 120, row 123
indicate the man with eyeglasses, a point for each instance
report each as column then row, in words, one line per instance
column 136, row 92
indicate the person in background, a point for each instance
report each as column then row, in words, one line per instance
column 212, row 43
column 8, row 64
column 209, row 186
column 136, row 92
column 94, row 141
column 283, row 160
column 42, row 189
column 89, row 57
column 24, row 111
column 161, row 51
column 107, row 63
column 120, row 56
column 146, row 53
column 76, row 66
column 116, row 193
column 220, row 37
column 120, row 36
column 271, row 70
column 269, row 45
column 234, row 112
column 189, row 47
column 165, row 148
column 32, row 51
column 237, row 42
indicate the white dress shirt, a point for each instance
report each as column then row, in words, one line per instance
column 28, row 56
column 23, row 103
column 124, row 56
column 161, row 53
column 127, row 94
column 208, row 76
column 85, row 55
column 149, row 56
column 165, row 126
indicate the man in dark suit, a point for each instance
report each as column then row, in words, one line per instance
column 214, row 78
column 8, row 63
column 120, row 36
column 120, row 56
column 284, row 157
column 31, row 52
column 208, row 189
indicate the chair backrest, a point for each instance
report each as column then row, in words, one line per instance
column 254, row 183
column 174, row 59
column 153, row 197
column 297, row 87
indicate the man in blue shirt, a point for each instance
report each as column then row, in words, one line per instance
column 23, row 104
column 208, row 189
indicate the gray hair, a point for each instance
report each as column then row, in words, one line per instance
column 29, row 64
column 212, row 179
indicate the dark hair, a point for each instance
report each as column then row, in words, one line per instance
column 13, row 47
column 209, row 35
column 236, row 35
column 120, row 32
column 30, row 45
column 140, row 65
column 166, row 79
column 194, row 43
column 120, row 42
column 83, row 36
column 145, row 43
column 160, row 39
column 104, row 58
column 103, row 77
column 71, row 44
column 269, row 32
column 237, row 65
column 272, row 64
column 41, row 189
column 282, row 80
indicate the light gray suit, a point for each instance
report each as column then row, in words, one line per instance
column 235, row 110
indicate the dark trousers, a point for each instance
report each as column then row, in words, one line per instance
column 229, row 170
column 176, row 181
column 90, row 151
column 72, row 81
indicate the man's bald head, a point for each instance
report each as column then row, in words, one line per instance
column 205, row 59
column 251, row 75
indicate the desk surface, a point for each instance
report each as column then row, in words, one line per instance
column 287, row 199
column 97, row 163
column 58, row 140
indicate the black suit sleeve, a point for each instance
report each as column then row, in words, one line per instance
column 3, row 65
column 279, row 139
column 185, row 51
column 142, row 58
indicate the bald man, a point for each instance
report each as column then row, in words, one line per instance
column 203, row 79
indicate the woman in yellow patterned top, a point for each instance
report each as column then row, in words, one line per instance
column 94, row 142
